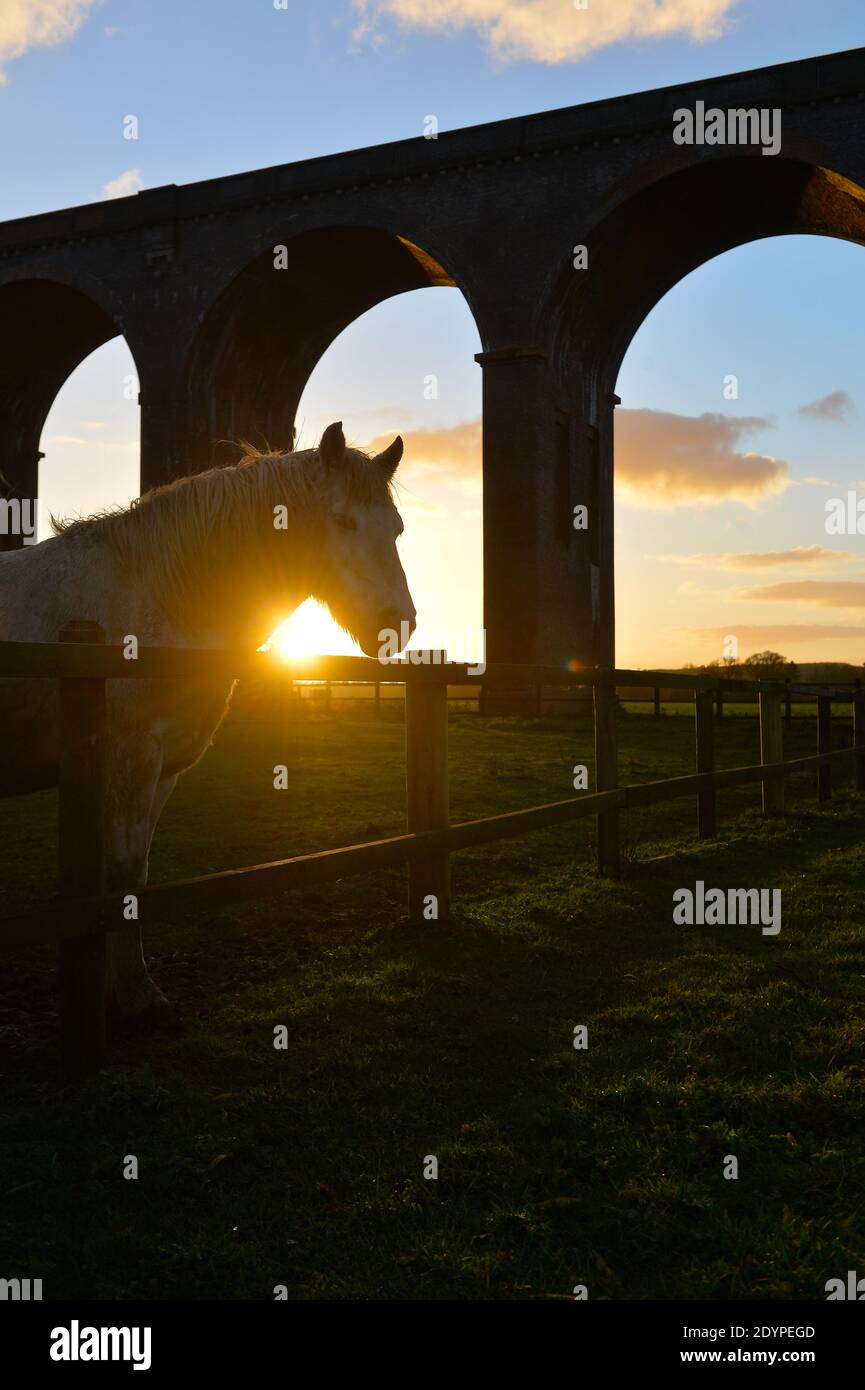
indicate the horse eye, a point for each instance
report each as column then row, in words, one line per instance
column 345, row 523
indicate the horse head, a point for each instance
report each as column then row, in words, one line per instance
column 360, row 577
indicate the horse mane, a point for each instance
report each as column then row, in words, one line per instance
column 178, row 531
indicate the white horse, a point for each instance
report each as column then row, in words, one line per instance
column 218, row 559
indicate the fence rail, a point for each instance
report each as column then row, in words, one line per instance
column 80, row 660
column 83, row 664
column 541, row 699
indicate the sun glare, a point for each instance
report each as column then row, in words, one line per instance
column 311, row 631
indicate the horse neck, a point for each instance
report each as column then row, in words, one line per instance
column 236, row 597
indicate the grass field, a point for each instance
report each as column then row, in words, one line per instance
column 304, row 1167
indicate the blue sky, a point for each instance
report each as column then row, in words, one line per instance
column 224, row 85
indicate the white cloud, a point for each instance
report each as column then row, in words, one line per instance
column 112, row 446
column 130, row 181
column 553, row 31
column 26, row 24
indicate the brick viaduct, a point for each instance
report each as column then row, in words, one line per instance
column 223, row 343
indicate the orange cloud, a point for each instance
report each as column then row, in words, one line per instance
column 433, row 459
column 451, row 455
column 665, row 460
column 773, row 636
column 822, row 593
column 454, row 447
column 662, row 460
column 799, row 555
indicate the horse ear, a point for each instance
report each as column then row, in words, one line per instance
column 331, row 446
column 390, row 457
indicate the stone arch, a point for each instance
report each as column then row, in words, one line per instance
column 262, row 336
column 675, row 223
column 49, row 327
column 637, row 252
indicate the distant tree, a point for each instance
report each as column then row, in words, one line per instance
column 771, row 666
column 767, row 658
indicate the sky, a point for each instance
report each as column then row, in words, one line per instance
column 720, row 503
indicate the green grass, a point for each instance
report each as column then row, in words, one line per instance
column 304, row 1167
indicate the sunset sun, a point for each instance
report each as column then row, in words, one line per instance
column 309, row 632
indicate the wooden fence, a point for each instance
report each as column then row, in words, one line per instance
column 539, row 700
column 83, row 913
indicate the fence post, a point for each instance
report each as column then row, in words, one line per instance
column 788, row 705
column 378, row 699
column 657, row 710
column 606, row 776
column 859, row 735
column 720, row 701
column 427, row 794
column 704, row 701
column 772, row 749
column 824, row 745
column 82, row 856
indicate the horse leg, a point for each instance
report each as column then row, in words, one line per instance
column 139, row 796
